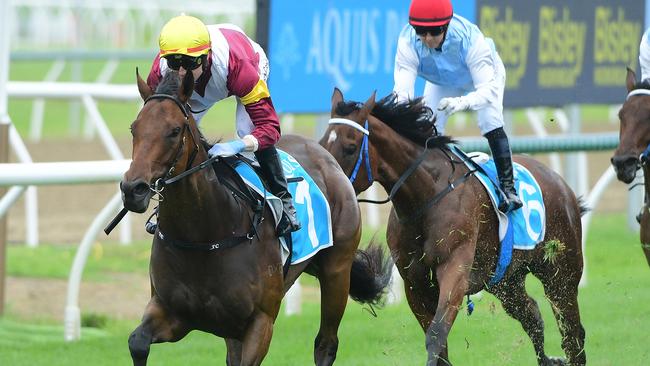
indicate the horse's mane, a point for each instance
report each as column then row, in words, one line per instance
column 169, row 84
column 411, row 119
column 643, row 84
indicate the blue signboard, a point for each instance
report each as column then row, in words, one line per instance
column 315, row 46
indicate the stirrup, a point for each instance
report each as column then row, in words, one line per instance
column 285, row 226
column 510, row 203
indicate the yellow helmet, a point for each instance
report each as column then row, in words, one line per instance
column 184, row 35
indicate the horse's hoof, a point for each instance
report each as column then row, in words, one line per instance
column 555, row 361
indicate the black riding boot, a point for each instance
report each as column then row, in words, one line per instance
column 274, row 175
column 498, row 141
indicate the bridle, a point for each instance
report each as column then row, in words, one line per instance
column 645, row 155
column 160, row 183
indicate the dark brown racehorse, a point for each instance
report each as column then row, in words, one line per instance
column 234, row 290
column 634, row 140
column 449, row 249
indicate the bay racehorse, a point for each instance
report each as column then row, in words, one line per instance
column 633, row 150
column 443, row 230
column 215, row 259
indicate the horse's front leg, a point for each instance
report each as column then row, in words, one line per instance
column 453, row 281
column 645, row 232
column 157, row 326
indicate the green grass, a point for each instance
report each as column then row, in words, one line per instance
column 613, row 306
column 54, row 261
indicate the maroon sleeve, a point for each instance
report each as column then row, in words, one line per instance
column 243, row 76
column 265, row 120
column 154, row 75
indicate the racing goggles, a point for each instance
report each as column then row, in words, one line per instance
column 434, row 31
column 188, row 62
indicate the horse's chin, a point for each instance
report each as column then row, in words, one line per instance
column 625, row 174
column 137, row 204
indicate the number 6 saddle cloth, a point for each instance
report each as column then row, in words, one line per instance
column 520, row 229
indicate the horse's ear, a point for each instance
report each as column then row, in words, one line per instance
column 187, row 87
column 370, row 103
column 630, row 80
column 337, row 97
column 143, row 87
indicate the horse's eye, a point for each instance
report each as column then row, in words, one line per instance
column 175, row 132
column 350, row 149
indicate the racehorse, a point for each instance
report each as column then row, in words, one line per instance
column 632, row 152
column 215, row 259
column 442, row 229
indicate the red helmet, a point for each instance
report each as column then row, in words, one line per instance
column 430, row 13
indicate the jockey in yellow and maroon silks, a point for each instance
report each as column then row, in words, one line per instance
column 226, row 62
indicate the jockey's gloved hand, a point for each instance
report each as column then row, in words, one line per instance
column 247, row 143
column 452, row 105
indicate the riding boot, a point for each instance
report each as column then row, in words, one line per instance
column 274, row 174
column 498, row 141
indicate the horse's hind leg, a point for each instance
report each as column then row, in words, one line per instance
column 234, row 352
column 519, row 305
column 257, row 340
column 156, row 327
column 561, row 288
column 334, row 279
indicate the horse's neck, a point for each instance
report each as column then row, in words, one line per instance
column 196, row 208
column 396, row 154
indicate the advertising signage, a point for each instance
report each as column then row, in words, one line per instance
column 556, row 52
column 314, row 46
column 559, row 52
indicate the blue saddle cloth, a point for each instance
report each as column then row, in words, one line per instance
column 312, row 207
column 520, row 229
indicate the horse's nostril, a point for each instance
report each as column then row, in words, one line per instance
column 141, row 189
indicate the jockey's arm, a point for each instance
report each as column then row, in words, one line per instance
column 406, row 65
column 245, row 83
column 487, row 82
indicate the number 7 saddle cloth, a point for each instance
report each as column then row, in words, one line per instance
column 311, row 205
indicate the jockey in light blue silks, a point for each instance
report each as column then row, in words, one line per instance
column 644, row 55
column 463, row 71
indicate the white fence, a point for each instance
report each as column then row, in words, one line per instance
column 100, row 24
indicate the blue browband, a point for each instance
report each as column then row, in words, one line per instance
column 364, row 146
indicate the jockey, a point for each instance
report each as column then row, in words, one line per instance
column 462, row 71
column 226, row 62
column 644, row 55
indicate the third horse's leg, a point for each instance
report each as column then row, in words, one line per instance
column 562, row 291
column 516, row 302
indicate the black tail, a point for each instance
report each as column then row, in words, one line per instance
column 370, row 274
column 583, row 206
